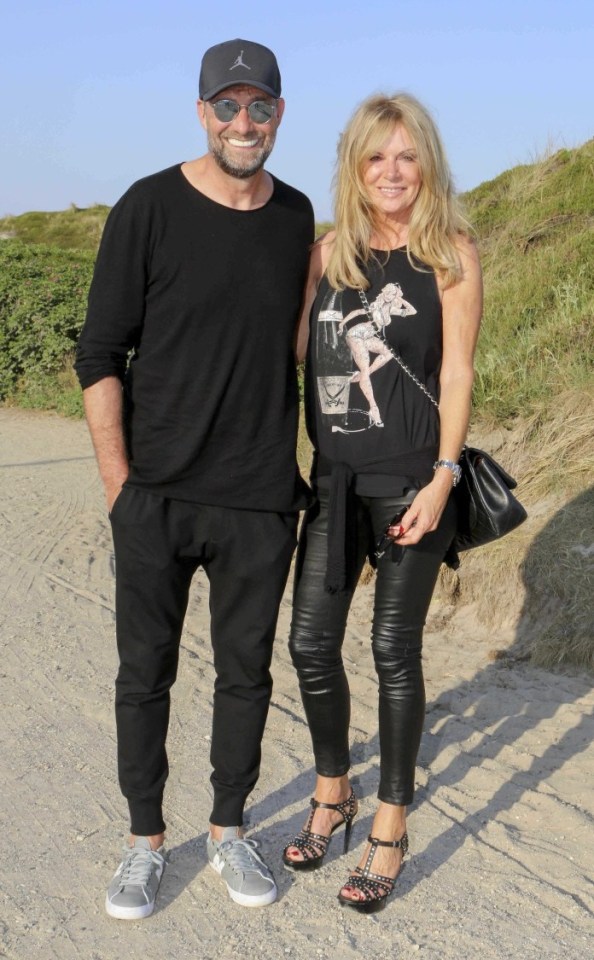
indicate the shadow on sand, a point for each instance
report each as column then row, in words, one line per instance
column 475, row 708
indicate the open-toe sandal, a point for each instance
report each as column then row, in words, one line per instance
column 314, row 846
column 375, row 887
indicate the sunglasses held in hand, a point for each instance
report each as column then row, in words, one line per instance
column 386, row 540
column 260, row 111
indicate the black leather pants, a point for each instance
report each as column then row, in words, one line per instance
column 404, row 584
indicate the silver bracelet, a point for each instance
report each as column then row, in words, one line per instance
column 451, row 465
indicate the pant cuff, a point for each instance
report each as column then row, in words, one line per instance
column 146, row 817
column 335, row 771
column 227, row 809
column 396, row 799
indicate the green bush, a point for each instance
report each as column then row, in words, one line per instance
column 42, row 305
column 534, row 230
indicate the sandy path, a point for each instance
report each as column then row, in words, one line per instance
column 501, row 831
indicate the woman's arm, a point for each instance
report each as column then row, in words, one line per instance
column 318, row 260
column 402, row 308
column 462, row 306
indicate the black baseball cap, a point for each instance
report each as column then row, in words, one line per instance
column 238, row 61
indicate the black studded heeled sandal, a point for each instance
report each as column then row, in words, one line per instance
column 314, row 846
column 375, row 887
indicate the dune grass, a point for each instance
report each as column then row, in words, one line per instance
column 535, row 366
column 535, row 231
column 533, row 395
column 535, row 587
column 72, row 229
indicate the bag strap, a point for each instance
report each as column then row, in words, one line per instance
column 397, row 356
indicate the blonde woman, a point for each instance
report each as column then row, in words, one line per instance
column 398, row 228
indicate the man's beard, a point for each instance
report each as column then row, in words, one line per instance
column 251, row 165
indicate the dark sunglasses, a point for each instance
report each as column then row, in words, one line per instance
column 260, row 111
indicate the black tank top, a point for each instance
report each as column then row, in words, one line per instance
column 362, row 410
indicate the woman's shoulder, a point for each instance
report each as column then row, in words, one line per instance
column 468, row 265
column 327, row 238
column 325, row 243
column 466, row 248
column 320, row 253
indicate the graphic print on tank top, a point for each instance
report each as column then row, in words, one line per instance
column 350, row 349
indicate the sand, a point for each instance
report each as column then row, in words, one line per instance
column 501, row 830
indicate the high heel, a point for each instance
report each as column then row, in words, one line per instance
column 375, row 419
column 314, row 846
column 375, row 887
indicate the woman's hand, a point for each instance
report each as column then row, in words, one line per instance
column 424, row 513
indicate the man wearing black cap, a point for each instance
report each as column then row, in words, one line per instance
column 190, row 391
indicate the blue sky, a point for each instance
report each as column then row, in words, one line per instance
column 98, row 94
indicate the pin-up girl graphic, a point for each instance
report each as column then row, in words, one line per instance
column 368, row 337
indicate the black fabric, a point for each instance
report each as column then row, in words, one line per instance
column 373, row 431
column 392, row 447
column 341, row 487
column 338, row 514
column 206, row 298
column 404, row 585
column 159, row 544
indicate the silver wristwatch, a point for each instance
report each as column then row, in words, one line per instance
column 451, row 465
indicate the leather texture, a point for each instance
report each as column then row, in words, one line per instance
column 487, row 509
column 403, row 588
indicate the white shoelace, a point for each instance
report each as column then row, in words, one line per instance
column 137, row 866
column 241, row 856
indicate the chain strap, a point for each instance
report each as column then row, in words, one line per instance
column 396, row 356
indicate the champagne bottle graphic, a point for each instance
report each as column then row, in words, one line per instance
column 334, row 357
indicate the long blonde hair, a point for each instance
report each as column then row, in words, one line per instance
column 436, row 219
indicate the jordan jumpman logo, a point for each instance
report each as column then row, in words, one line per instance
column 239, row 63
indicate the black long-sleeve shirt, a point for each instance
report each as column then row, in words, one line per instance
column 206, row 299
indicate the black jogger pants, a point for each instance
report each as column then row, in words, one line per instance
column 159, row 544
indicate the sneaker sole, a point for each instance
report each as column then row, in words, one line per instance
column 260, row 900
column 128, row 913
column 144, row 910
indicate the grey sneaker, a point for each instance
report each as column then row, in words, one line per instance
column 248, row 879
column 131, row 894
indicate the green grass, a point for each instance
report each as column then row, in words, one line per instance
column 73, row 229
column 323, row 227
column 534, row 381
column 535, row 232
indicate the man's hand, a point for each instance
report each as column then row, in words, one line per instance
column 113, row 489
column 103, row 407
